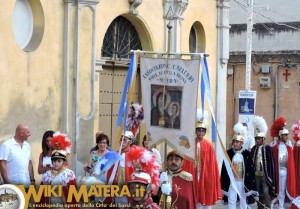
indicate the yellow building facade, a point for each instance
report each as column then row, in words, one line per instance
column 63, row 62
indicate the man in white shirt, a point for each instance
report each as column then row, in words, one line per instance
column 15, row 159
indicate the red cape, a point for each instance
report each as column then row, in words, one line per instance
column 208, row 188
column 183, row 195
column 291, row 180
column 297, row 168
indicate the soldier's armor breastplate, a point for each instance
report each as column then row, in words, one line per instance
column 283, row 156
column 238, row 164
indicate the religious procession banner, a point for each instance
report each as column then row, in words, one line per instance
column 169, row 95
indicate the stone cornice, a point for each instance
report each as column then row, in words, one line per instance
column 88, row 2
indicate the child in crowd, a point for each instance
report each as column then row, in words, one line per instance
column 59, row 174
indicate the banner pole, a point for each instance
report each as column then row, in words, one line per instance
column 165, row 197
column 169, row 53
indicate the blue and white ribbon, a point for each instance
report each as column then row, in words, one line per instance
column 123, row 110
column 206, row 89
column 129, row 78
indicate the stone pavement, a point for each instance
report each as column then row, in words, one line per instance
column 220, row 205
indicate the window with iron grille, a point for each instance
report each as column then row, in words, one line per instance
column 120, row 38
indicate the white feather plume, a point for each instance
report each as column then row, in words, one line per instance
column 202, row 117
column 260, row 125
column 146, row 157
column 240, row 129
column 157, row 155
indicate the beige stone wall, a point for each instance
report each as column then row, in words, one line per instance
column 31, row 82
column 288, row 92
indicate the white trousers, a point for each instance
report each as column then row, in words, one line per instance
column 199, row 206
column 232, row 196
column 282, row 187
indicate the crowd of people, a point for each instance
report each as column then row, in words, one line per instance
column 265, row 173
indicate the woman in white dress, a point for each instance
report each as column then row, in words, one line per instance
column 45, row 163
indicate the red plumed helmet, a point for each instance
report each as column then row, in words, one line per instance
column 140, row 177
column 296, row 130
column 278, row 125
column 60, row 142
column 144, row 162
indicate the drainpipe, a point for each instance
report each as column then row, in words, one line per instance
column 276, row 91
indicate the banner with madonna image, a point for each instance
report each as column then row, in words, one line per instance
column 169, row 95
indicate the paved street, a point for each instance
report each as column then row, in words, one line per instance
column 220, row 205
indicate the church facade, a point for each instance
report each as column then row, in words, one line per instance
column 63, row 62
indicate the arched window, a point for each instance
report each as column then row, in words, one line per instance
column 197, row 39
column 120, row 38
column 193, row 40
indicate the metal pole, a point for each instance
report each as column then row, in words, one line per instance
column 169, row 53
column 249, row 45
column 165, row 197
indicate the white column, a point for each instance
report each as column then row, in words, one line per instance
column 222, row 59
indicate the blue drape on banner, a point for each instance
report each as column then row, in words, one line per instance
column 123, row 104
column 205, row 87
column 202, row 91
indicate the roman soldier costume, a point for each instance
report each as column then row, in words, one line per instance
column 296, row 136
column 284, row 162
column 263, row 160
column 243, row 173
column 205, row 167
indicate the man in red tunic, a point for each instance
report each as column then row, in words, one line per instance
column 297, row 166
column 284, row 167
column 183, row 195
column 296, row 136
column 206, row 172
column 204, row 169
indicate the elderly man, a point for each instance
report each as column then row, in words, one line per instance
column 15, row 158
column 183, row 194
